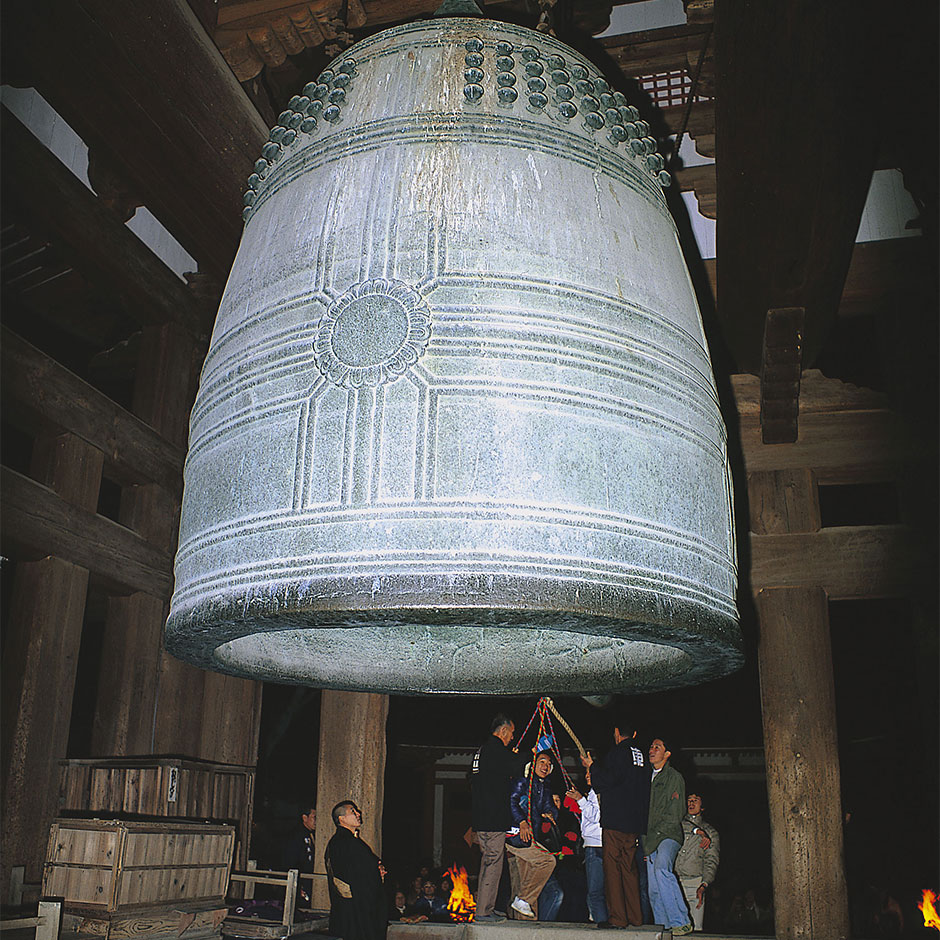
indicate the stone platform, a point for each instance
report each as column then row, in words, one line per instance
column 522, row 930
column 533, row 930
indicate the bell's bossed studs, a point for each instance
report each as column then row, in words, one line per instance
column 535, row 85
column 309, row 125
column 261, row 167
column 338, row 95
column 289, row 138
column 473, row 92
column 584, row 87
column 564, row 92
column 589, row 104
column 556, row 61
column 253, row 181
column 504, row 48
column 505, row 63
column 315, row 107
column 249, row 198
column 567, row 110
column 664, row 178
column 326, row 76
column 295, row 121
column 270, row 151
column 529, row 53
column 637, row 146
column 474, row 45
column 284, row 117
column 594, row 120
column 331, row 113
column 507, row 95
column 534, row 68
column 473, row 76
column 538, row 101
column 578, row 72
column 473, row 59
column 245, row 213
column 505, row 79
column 612, row 116
column 618, row 133
column 342, row 80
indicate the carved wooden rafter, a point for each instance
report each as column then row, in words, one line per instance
column 252, row 35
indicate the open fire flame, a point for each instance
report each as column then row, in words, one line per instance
column 928, row 907
column 461, row 905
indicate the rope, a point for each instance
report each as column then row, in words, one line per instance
column 551, row 705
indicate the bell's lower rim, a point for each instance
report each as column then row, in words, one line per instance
column 465, row 650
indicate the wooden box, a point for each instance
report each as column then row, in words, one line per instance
column 161, row 786
column 112, row 865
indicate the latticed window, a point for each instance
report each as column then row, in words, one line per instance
column 669, row 89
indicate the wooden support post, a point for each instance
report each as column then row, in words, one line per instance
column 47, row 608
column 800, row 743
column 351, row 765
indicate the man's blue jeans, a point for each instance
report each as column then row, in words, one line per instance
column 550, row 899
column 665, row 894
column 594, row 872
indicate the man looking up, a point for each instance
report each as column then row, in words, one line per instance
column 697, row 862
column 354, row 877
column 494, row 767
column 622, row 783
column 662, row 840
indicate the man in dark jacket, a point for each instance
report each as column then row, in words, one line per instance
column 494, row 767
column 354, row 877
column 622, row 782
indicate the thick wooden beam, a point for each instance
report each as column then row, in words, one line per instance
column 654, row 50
column 847, row 562
column 792, row 178
column 351, row 765
column 802, row 759
column 847, row 434
column 37, row 522
column 37, row 390
column 142, row 81
column 41, row 192
column 40, row 658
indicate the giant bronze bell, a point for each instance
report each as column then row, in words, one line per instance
column 457, row 430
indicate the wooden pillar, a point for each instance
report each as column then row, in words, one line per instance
column 47, row 609
column 799, row 717
column 351, row 765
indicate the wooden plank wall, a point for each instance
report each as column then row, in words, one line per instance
column 147, row 702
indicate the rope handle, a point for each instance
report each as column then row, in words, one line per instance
column 566, row 726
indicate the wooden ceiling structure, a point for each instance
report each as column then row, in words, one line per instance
column 797, row 102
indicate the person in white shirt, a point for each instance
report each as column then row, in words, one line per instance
column 593, row 851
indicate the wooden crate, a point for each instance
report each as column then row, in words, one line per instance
column 113, row 865
column 180, row 921
column 162, row 786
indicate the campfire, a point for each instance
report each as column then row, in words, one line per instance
column 461, row 904
column 928, row 907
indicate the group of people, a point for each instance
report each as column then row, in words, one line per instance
column 635, row 818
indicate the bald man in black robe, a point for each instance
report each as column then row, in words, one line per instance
column 354, row 873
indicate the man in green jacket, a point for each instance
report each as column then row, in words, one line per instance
column 663, row 839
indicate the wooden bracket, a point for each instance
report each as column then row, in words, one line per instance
column 780, row 369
